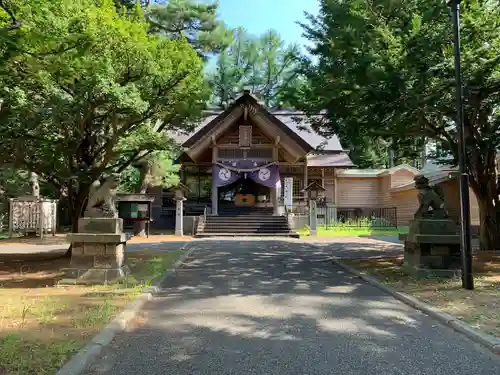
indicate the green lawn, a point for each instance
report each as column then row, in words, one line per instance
column 42, row 324
column 343, row 231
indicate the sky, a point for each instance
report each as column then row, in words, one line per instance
column 258, row 16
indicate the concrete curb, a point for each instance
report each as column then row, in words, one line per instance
column 82, row 360
column 489, row 341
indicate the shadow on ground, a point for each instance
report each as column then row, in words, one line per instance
column 281, row 307
column 361, row 247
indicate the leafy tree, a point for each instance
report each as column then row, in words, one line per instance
column 197, row 22
column 156, row 169
column 99, row 104
column 387, row 69
column 264, row 65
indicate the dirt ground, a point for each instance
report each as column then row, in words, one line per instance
column 60, row 239
column 479, row 307
column 43, row 324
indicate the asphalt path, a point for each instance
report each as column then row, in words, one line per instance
column 279, row 307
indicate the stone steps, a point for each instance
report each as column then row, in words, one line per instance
column 246, row 221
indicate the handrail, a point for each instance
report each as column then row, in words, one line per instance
column 205, row 214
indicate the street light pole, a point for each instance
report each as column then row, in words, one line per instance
column 465, row 225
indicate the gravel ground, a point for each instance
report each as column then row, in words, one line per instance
column 279, row 307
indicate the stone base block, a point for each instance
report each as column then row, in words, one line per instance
column 109, row 225
column 433, row 226
column 97, row 258
column 432, row 259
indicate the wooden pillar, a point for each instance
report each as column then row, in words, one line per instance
column 215, row 195
column 335, row 194
column 198, row 173
column 182, row 173
column 274, row 190
column 306, row 178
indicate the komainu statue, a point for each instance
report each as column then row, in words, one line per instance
column 102, row 198
column 431, row 199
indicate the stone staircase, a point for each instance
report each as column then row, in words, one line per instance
column 245, row 222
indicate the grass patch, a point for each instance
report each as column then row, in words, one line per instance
column 42, row 325
column 348, row 231
column 480, row 307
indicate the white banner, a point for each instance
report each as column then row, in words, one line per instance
column 288, row 192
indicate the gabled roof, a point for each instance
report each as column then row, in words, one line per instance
column 378, row 172
column 292, row 123
column 400, row 167
column 435, row 173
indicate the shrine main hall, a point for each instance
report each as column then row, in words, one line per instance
column 239, row 159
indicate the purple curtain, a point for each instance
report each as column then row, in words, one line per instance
column 224, row 176
column 266, row 176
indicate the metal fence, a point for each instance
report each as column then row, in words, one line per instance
column 361, row 217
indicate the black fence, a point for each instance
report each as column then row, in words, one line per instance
column 361, row 217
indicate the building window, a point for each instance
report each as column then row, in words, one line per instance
column 245, row 136
column 297, row 186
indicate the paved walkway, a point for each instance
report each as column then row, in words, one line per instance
column 281, row 307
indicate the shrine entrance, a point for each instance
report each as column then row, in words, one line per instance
column 244, row 192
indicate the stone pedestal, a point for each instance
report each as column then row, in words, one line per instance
column 98, row 251
column 432, row 248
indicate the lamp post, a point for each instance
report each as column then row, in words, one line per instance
column 465, row 226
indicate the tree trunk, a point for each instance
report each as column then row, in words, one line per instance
column 145, row 169
column 76, row 204
column 489, row 237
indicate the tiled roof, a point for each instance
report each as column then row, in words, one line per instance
column 295, row 121
column 361, row 172
column 337, row 159
column 298, row 123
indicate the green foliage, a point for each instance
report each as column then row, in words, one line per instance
column 94, row 92
column 387, row 71
column 12, row 184
column 265, row 65
column 163, row 173
column 196, row 22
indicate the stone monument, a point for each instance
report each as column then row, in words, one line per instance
column 432, row 245
column 98, row 249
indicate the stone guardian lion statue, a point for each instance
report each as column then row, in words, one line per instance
column 102, row 198
column 431, row 199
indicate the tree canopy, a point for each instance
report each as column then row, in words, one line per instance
column 92, row 92
column 265, row 65
column 196, row 22
column 387, row 70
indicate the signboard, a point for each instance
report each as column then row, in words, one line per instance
column 288, row 192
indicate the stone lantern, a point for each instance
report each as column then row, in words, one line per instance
column 313, row 191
